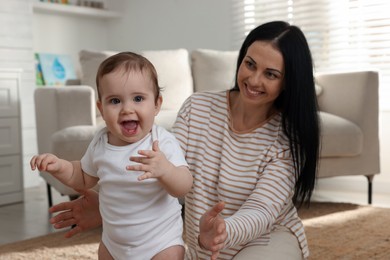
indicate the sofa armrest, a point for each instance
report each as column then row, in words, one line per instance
column 72, row 82
column 351, row 95
column 354, row 96
column 59, row 107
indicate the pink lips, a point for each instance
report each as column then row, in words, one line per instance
column 130, row 127
column 253, row 93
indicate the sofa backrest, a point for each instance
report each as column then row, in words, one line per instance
column 213, row 70
column 174, row 76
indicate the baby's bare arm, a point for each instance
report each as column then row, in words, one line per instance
column 69, row 173
column 178, row 181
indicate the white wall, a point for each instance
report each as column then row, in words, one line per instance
column 169, row 24
column 143, row 25
column 68, row 34
column 16, row 53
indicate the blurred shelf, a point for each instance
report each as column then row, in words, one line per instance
column 53, row 8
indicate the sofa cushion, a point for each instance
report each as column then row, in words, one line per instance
column 71, row 143
column 318, row 89
column 89, row 63
column 166, row 118
column 213, row 70
column 340, row 137
column 172, row 66
column 174, row 76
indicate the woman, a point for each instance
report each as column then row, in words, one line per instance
column 252, row 151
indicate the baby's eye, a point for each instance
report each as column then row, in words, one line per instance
column 138, row 99
column 114, row 101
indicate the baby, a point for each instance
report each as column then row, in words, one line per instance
column 139, row 166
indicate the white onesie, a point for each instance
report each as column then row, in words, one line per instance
column 140, row 218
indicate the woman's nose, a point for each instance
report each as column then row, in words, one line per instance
column 255, row 79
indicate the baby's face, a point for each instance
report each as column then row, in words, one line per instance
column 127, row 105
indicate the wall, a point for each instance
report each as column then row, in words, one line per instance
column 16, row 42
column 68, row 34
column 169, row 24
column 144, row 25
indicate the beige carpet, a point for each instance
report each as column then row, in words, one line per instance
column 54, row 247
column 347, row 231
column 334, row 231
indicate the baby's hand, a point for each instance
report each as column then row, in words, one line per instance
column 152, row 162
column 46, row 162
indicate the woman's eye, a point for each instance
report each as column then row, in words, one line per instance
column 115, row 101
column 138, row 99
column 249, row 64
column 271, row 75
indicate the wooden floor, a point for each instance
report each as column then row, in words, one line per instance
column 30, row 219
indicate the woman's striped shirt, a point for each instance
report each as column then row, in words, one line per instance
column 251, row 172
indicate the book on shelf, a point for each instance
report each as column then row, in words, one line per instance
column 38, row 72
column 54, row 69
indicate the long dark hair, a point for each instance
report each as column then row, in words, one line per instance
column 297, row 102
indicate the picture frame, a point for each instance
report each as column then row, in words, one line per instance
column 56, row 69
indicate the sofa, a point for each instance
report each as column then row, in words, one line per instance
column 67, row 118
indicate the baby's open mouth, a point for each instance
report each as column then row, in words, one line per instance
column 130, row 125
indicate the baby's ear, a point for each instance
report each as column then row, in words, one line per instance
column 99, row 106
column 158, row 104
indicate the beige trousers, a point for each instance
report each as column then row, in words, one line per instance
column 283, row 245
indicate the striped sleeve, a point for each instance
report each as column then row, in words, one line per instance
column 273, row 190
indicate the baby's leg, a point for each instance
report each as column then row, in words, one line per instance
column 173, row 252
column 103, row 252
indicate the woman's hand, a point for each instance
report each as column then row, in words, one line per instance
column 82, row 213
column 212, row 229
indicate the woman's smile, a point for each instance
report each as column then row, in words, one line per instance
column 253, row 92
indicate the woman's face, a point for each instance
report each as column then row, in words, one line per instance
column 260, row 75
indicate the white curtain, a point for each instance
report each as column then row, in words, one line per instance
column 342, row 34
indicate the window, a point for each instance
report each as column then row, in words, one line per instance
column 342, row 34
